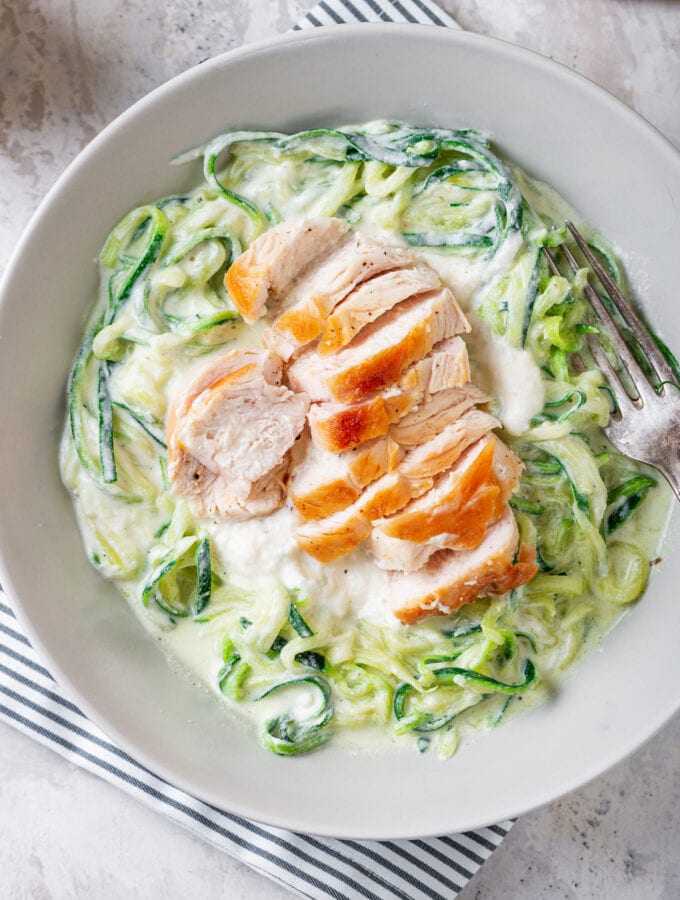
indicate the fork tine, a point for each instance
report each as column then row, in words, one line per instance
column 637, row 376
column 639, row 331
column 617, row 387
column 621, row 395
column 551, row 262
column 578, row 363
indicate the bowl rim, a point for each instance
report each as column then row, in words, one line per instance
column 314, row 35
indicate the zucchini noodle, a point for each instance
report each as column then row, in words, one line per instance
column 305, row 669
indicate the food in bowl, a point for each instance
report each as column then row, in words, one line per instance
column 283, row 440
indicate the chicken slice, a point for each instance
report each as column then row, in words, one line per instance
column 466, row 531
column 339, row 534
column 437, row 412
column 370, row 300
column 455, row 513
column 487, row 461
column 451, row 579
column 218, row 369
column 372, row 459
column 334, row 536
column 272, row 263
column 338, row 426
column 440, row 452
column 315, row 295
column 381, row 353
column 229, row 434
column 428, row 516
column 208, row 496
column 447, row 365
column 322, row 483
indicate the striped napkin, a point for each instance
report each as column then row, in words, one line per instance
column 339, row 12
column 319, row 868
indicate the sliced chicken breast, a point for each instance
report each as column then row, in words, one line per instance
column 446, row 366
column 320, row 483
column 441, row 451
column 231, row 430
column 315, row 295
column 455, row 513
column 451, row 579
column 370, row 300
column 373, row 459
column 323, row 483
column 338, row 426
column 382, row 352
column 436, row 413
column 333, row 537
column 395, row 451
column 276, row 259
column 339, row 534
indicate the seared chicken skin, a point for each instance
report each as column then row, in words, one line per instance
column 318, row 291
column 367, row 302
column 276, row 259
column 449, row 579
column 381, row 352
column 339, row 426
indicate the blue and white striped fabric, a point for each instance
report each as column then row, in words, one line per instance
column 339, row 12
column 319, row 868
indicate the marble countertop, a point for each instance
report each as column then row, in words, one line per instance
column 67, row 67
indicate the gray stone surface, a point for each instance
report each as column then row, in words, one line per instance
column 67, row 67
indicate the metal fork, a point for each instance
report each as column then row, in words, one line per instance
column 646, row 423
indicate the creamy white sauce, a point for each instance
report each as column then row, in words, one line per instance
column 260, row 556
column 509, row 375
column 259, row 550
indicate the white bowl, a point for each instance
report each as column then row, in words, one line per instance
column 609, row 163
